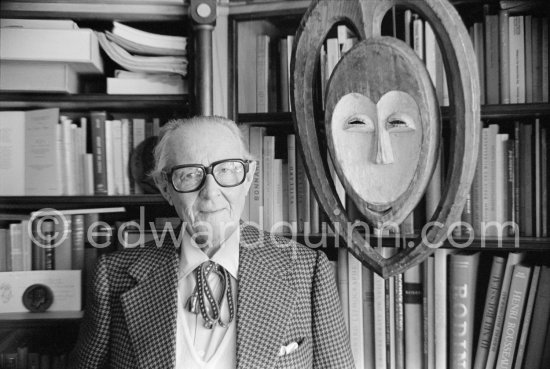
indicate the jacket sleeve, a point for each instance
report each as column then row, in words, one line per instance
column 92, row 347
column 331, row 346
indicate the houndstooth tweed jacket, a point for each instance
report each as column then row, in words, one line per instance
column 286, row 294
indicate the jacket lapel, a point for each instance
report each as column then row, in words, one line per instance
column 150, row 307
column 265, row 299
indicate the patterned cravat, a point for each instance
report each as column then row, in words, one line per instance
column 203, row 300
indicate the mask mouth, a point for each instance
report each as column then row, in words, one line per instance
column 381, row 210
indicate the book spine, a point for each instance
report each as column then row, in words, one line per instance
column 504, row 57
column 292, row 202
column 518, row 361
column 492, row 67
column 462, row 285
column 412, row 306
column 380, row 344
column 257, row 195
column 77, row 260
column 262, row 73
column 302, row 196
column 516, row 51
column 544, row 61
column 343, row 290
column 513, row 259
column 368, row 317
column 489, row 312
column 528, row 59
column 355, row 309
column 268, row 180
column 539, row 325
column 98, row 119
column 440, row 306
column 514, row 316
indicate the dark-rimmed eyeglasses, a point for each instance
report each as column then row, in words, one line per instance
column 191, row 177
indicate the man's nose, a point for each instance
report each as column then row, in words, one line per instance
column 211, row 187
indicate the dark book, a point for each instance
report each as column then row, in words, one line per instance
column 539, row 324
column 78, row 234
column 98, row 119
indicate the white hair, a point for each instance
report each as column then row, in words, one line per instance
column 172, row 126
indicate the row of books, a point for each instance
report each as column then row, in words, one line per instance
column 430, row 316
column 511, row 181
column 52, row 240
column 23, row 358
column 50, row 154
column 280, row 198
column 512, row 56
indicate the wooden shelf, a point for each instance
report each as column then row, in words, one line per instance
column 53, row 318
column 101, row 10
column 182, row 103
column 68, row 202
column 504, row 111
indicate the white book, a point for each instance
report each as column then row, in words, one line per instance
column 313, row 213
column 380, row 355
column 38, row 23
column 110, row 157
column 292, row 201
column 412, row 301
column 256, row 190
column 77, row 152
column 68, row 156
column 125, row 134
column 88, row 167
column 19, row 76
column 262, row 73
column 16, row 247
column 277, row 210
column 116, row 126
column 516, row 37
column 343, row 282
column 26, row 245
column 355, row 296
column 79, row 48
column 268, row 181
column 440, row 306
column 289, row 43
column 12, row 172
column 138, row 128
column 146, row 86
column 489, row 135
column 501, row 178
column 333, row 55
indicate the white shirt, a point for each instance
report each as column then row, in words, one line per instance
column 196, row 346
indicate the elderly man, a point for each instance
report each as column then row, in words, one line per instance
column 224, row 295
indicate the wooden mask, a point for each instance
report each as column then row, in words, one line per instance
column 382, row 122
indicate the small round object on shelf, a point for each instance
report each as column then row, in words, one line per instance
column 38, row 298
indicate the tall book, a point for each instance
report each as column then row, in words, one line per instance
column 28, row 146
column 292, row 201
column 77, row 243
column 513, row 259
column 514, row 316
column 492, row 64
column 262, row 73
column 428, row 304
column 268, row 180
column 256, row 191
column 355, row 296
column 368, row 317
column 516, row 50
column 539, row 325
column 98, row 119
column 343, row 282
column 526, row 180
column 412, row 306
column 441, row 257
column 463, row 269
column 527, row 317
column 504, row 56
column 489, row 312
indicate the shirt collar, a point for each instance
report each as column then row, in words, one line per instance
column 226, row 256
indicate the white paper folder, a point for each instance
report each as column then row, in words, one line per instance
column 64, row 284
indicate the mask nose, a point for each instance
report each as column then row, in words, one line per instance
column 384, row 151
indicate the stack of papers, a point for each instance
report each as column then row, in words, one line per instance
column 140, row 51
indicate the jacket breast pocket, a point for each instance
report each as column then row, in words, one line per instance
column 302, row 357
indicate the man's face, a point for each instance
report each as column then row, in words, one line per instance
column 212, row 211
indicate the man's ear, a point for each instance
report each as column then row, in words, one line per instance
column 164, row 188
column 250, row 175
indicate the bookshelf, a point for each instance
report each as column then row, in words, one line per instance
column 536, row 249
column 17, row 330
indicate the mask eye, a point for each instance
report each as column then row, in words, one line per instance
column 359, row 123
column 400, row 122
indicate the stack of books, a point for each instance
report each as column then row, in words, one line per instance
column 46, row 55
column 154, row 63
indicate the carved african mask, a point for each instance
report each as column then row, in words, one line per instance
column 382, row 123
